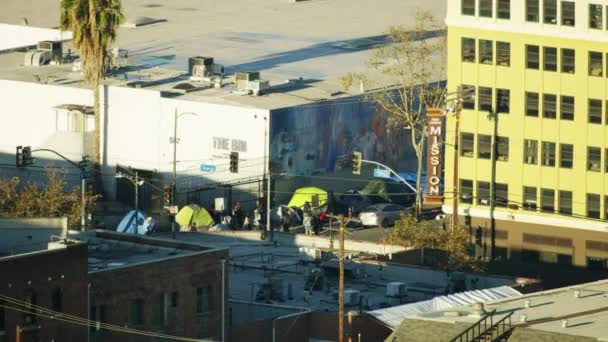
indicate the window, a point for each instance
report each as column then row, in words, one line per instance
column 530, row 152
column 485, row 52
column 502, row 150
column 595, row 111
column 503, row 9
column 2, row 316
column 549, row 106
column 532, row 10
column 57, row 300
column 467, row 142
column 530, row 198
column 136, row 312
column 468, row 7
column 548, row 153
column 593, row 206
column 567, row 107
column 568, row 13
column 532, row 57
column 503, row 100
column 596, row 64
column 485, row 8
column 484, row 146
column 174, row 299
column 30, row 299
column 502, row 194
column 550, row 58
column 469, row 101
column 594, row 159
column 550, row 11
column 531, row 104
column 568, row 61
column 98, row 314
column 466, row 191
column 565, row 202
column 597, row 263
column 468, row 50
column 483, row 193
column 566, row 155
column 564, row 259
column 503, row 54
column 485, row 99
column 595, row 17
column 547, row 200
column 204, row 300
column 162, row 310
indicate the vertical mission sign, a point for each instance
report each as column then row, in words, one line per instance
column 433, row 163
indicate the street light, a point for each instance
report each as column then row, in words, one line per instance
column 174, row 140
column 136, row 183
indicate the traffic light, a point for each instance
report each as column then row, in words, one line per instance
column 356, row 162
column 478, row 236
column 23, row 156
column 234, row 162
column 168, row 194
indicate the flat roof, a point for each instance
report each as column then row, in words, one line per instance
column 584, row 306
column 318, row 41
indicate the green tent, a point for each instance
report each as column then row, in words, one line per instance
column 303, row 195
column 193, row 216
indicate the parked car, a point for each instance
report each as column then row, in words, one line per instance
column 383, row 214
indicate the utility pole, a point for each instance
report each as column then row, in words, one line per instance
column 174, row 180
column 455, row 192
column 341, row 284
column 493, row 116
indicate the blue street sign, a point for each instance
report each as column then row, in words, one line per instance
column 380, row 173
column 207, row 168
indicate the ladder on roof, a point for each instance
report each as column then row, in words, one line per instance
column 486, row 329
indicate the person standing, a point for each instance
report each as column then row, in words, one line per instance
column 237, row 216
column 307, row 219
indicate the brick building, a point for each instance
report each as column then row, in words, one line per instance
column 152, row 285
column 52, row 278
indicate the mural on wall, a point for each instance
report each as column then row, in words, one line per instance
column 315, row 139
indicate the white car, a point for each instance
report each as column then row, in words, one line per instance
column 383, row 215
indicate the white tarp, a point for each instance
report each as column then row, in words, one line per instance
column 20, row 36
column 394, row 315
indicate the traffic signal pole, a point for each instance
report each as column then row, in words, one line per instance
column 174, row 180
column 341, row 284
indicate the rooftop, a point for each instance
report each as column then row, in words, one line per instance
column 584, row 307
column 317, row 41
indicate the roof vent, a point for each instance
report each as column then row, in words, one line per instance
column 250, row 83
column 142, row 21
column 204, row 69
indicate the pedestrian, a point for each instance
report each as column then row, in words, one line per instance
column 247, row 222
column 237, row 216
column 286, row 218
column 307, row 219
column 257, row 217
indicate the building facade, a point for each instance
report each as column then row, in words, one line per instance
column 536, row 128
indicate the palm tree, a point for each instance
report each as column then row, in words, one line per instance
column 94, row 24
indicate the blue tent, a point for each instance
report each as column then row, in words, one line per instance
column 136, row 223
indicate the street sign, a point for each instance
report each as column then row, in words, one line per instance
column 208, row 168
column 173, row 209
column 381, row 173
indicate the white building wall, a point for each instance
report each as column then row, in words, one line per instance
column 139, row 127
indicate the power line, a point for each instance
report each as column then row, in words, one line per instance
column 26, row 307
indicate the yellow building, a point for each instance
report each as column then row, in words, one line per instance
column 539, row 70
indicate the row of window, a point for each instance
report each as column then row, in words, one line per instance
column 549, row 13
column 531, row 197
column 550, row 106
column 552, row 57
column 503, row 8
column 548, row 152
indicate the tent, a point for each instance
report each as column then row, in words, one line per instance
column 193, row 216
column 136, row 223
column 303, row 195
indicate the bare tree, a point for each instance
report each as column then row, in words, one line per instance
column 403, row 77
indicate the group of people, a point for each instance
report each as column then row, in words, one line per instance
column 237, row 219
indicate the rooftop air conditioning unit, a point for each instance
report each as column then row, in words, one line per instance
column 37, row 58
column 351, row 297
column 250, row 83
column 204, row 69
column 396, row 289
column 54, row 47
